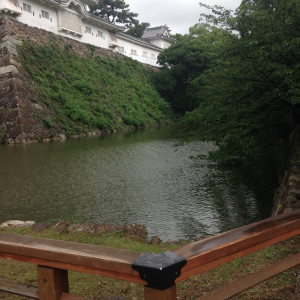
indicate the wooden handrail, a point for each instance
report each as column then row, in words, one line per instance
column 55, row 257
column 240, row 285
column 206, row 254
column 108, row 262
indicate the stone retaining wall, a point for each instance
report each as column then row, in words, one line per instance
column 22, row 113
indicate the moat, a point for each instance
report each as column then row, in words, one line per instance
column 139, row 178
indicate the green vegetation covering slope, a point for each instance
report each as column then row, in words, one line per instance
column 92, row 92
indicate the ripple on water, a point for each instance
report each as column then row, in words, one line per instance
column 141, row 179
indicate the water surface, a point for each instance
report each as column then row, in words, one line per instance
column 137, row 178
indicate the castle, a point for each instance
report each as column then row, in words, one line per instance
column 72, row 19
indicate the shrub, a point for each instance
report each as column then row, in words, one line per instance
column 87, row 93
column 83, row 86
column 48, row 122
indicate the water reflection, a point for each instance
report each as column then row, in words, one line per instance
column 138, row 178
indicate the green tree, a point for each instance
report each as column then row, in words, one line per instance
column 251, row 95
column 114, row 11
column 182, row 63
column 137, row 29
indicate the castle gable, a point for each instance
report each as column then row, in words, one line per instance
column 10, row 6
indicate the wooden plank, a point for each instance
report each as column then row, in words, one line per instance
column 89, row 270
column 70, row 256
column 225, row 247
column 249, row 281
column 52, row 283
column 19, row 288
column 217, row 262
column 168, row 294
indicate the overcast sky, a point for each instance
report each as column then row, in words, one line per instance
column 179, row 15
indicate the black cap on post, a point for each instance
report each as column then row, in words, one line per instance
column 159, row 270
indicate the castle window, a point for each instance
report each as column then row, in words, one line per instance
column 26, row 7
column 45, row 14
column 145, row 54
column 133, row 52
column 152, row 56
column 100, row 34
column 121, row 49
column 88, row 30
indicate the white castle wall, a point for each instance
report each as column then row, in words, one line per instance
column 35, row 19
column 44, row 16
column 138, row 52
column 161, row 43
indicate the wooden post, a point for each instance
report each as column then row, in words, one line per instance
column 154, row 294
column 52, row 283
column 160, row 272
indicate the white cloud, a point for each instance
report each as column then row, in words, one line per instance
column 179, row 15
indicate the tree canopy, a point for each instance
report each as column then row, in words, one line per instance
column 138, row 28
column 182, row 63
column 248, row 90
column 115, row 11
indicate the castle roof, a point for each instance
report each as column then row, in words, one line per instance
column 161, row 32
column 138, row 40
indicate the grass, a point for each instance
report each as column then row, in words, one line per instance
column 279, row 287
column 89, row 92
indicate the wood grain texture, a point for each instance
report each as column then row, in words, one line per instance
column 251, row 280
column 114, row 263
column 19, row 288
column 225, row 247
column 52, row 283
column 153, row 294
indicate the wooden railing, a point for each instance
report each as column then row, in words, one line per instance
column 159, row 273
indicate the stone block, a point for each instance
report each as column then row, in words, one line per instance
column 7, row 44
column 136, row 231
column 11, row 39
column 17, row 224
column 26, row 121
column 14, row 103
column 40, row 227
column 155, row 240
column 3, row 97
column 12, row 50
column 4, row 60
column 7, row 76
column 12, row 115
column 15, row 63
column 8, row 69
column 60, row 227
column 36, row 106
column 14, row 132
column 4, row 30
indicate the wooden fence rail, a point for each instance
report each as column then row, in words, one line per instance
column 159, row 273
